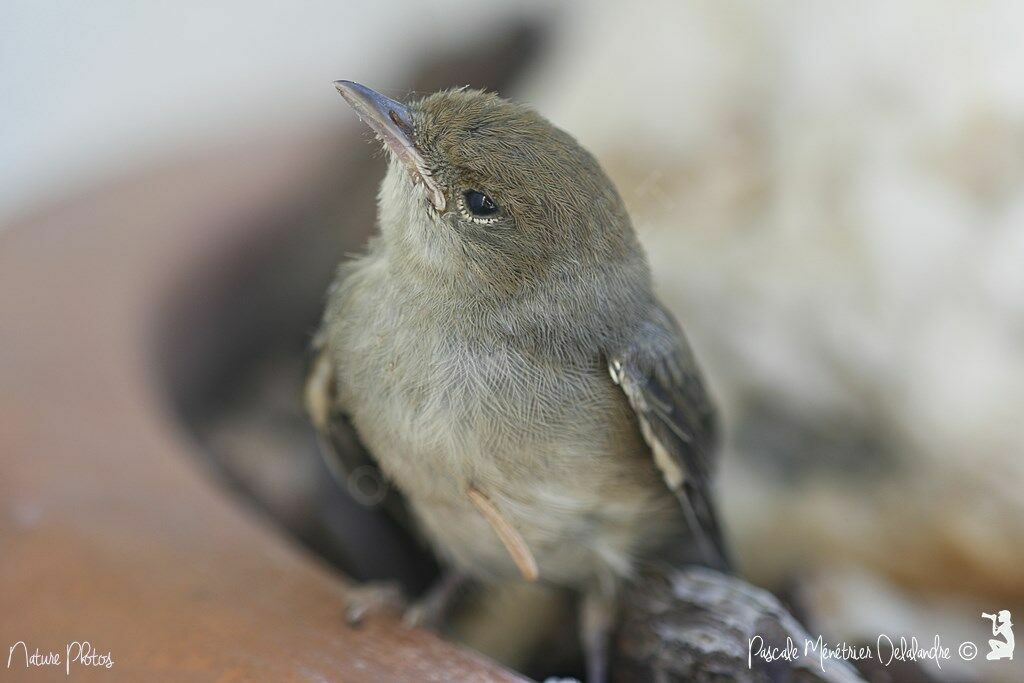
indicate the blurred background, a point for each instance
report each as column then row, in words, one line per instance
column 831, row 194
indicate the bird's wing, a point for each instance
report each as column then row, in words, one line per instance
column 348, row 460
column 657, row 372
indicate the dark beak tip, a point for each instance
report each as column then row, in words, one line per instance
column 344, row 88
column 393, row 123
column 370, row 102
column 353, row 89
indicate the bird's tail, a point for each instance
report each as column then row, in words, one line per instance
column 702, row 519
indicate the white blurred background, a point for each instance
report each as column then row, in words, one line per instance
column 93, row 89
column 832, row 194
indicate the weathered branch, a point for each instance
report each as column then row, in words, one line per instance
column 697, row 624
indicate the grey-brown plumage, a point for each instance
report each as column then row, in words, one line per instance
column 501, row 336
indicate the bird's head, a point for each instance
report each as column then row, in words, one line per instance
column 480, row 187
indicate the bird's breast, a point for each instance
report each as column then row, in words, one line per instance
column 550, row 442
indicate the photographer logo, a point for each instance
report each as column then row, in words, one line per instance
column 1001, row 646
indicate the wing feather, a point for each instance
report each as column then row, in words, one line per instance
column 343, row 453
column 660, row 378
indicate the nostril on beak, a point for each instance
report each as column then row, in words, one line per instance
column 406, row 126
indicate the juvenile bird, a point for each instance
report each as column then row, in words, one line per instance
column 500, row 355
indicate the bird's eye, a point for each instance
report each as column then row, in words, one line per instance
column 480, row 204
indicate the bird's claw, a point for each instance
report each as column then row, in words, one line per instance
column 419, row 615
column 431, row 609
column 372, row 598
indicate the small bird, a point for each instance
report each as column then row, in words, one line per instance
column 499, row 354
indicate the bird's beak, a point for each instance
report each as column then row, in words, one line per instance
column 392, row 122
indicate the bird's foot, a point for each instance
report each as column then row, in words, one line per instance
column 371, row 598
column 597, row 619
column 431, row 610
